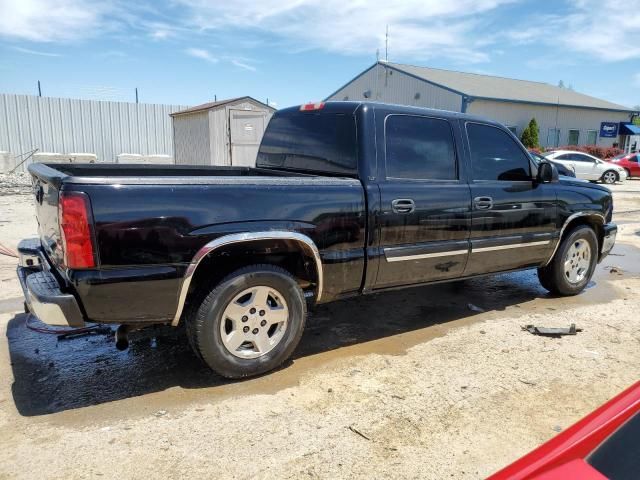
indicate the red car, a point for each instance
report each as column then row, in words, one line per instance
column 603, row 445
column 630, row 162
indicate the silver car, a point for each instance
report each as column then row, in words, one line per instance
column 589, row 167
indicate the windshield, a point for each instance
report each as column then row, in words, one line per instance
column 310, row 142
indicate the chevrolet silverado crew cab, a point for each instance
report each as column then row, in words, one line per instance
column 347, row 198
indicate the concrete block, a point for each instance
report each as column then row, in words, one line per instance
column 83, row 157
column 7, row 162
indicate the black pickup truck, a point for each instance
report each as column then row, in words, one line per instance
column 347, row 198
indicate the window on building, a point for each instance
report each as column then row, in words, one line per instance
column 514, row 130
column 592, row 137
column 574, row 137
column 553, row 137
column 419, row 148
column 495, row 155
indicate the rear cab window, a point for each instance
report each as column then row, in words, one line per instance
column 419, row 148
column 495, row 156
column 310, row 142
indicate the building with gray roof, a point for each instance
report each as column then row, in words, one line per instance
column 564, row 116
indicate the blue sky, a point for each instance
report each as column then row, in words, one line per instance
column 292, row 51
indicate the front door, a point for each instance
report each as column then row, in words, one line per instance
column 246, row 130
column 513, row 220
column 425, row 205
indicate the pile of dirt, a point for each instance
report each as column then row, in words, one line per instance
column 15, row 184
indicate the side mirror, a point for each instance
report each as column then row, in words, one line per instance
column 547, row 172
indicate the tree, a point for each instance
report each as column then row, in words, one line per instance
column 530, row 137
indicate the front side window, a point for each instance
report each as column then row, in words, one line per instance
column 495, row 155
column 582, row 158
column 419, row 148
column 574, row 137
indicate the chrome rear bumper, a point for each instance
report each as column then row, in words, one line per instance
column 42, row 292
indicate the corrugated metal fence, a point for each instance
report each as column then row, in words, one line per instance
column 65, row 125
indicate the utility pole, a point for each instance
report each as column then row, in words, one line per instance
column 386, row 45
column 39, row 89
column 136, row 94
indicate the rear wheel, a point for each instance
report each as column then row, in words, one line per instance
column 609, row 177
column 573, row 264
column 250, row 323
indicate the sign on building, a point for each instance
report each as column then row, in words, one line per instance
column 608, row 130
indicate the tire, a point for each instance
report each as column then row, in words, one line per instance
column 250, row 323
column 610, row 177
column 572, row 280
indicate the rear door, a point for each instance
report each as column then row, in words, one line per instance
column 424, row 217
column 513, row 219
column 246, row 130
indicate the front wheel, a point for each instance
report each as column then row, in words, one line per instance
column 573, row 264
column 250, row 323
column 610, row 177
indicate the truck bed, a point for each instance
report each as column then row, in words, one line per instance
column 57, row 173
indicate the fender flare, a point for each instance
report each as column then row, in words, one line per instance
column 569, row 219
column 308, row 245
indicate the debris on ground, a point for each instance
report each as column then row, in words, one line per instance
column 617, row 270
column 358, row 432
column 18, row 183
column 552, row 331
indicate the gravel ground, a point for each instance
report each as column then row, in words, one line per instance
column 450, row 393
column 15, row 184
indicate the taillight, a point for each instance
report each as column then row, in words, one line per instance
column 75, row 227
column 307, row 107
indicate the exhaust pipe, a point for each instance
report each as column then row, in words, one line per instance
column 122, row 337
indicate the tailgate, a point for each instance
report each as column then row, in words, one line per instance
column 46, row 191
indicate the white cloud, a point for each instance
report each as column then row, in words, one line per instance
column 202, row 54
column 599, row 29
column 36, row 52
column 52, row 20
column 419, row 29
column 604, row 28
column 243, row 65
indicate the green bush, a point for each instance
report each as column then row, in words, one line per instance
column 530, row 138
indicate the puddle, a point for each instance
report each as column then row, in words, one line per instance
column 62, row 377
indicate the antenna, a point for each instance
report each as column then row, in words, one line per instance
column 136, row 94
column 377, row 55
column 39, row 89
column 386, row 45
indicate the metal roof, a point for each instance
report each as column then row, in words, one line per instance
column 220, row 103
column 504, row 89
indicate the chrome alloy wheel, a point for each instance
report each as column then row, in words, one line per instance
column 577, row 261
column 609, row 177
column 254, row 322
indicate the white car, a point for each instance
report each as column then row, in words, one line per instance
column 588, row 167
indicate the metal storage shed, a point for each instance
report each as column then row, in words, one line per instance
column 226, row 132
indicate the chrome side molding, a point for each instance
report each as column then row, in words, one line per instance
column 572, row 217
column 225, row 240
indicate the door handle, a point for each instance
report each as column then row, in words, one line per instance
column 483, row 203
column 403, row 205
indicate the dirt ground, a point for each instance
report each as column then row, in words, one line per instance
column 411, row 384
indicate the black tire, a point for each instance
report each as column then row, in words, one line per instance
column 553, row 277
column 204, row 325
column 610, row 179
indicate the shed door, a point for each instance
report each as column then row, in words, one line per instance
column 246, row 130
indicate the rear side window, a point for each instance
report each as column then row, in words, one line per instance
column 310, row 142
column 419, row 148
column 495, row 155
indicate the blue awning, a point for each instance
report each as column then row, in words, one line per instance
column 629, row 129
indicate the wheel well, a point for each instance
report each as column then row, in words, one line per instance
column 288, row 254
column 589, row 221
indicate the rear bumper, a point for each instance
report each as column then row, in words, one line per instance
column 608, row 240
column 42, row 292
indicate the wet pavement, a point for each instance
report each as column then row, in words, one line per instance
column 53, row 375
